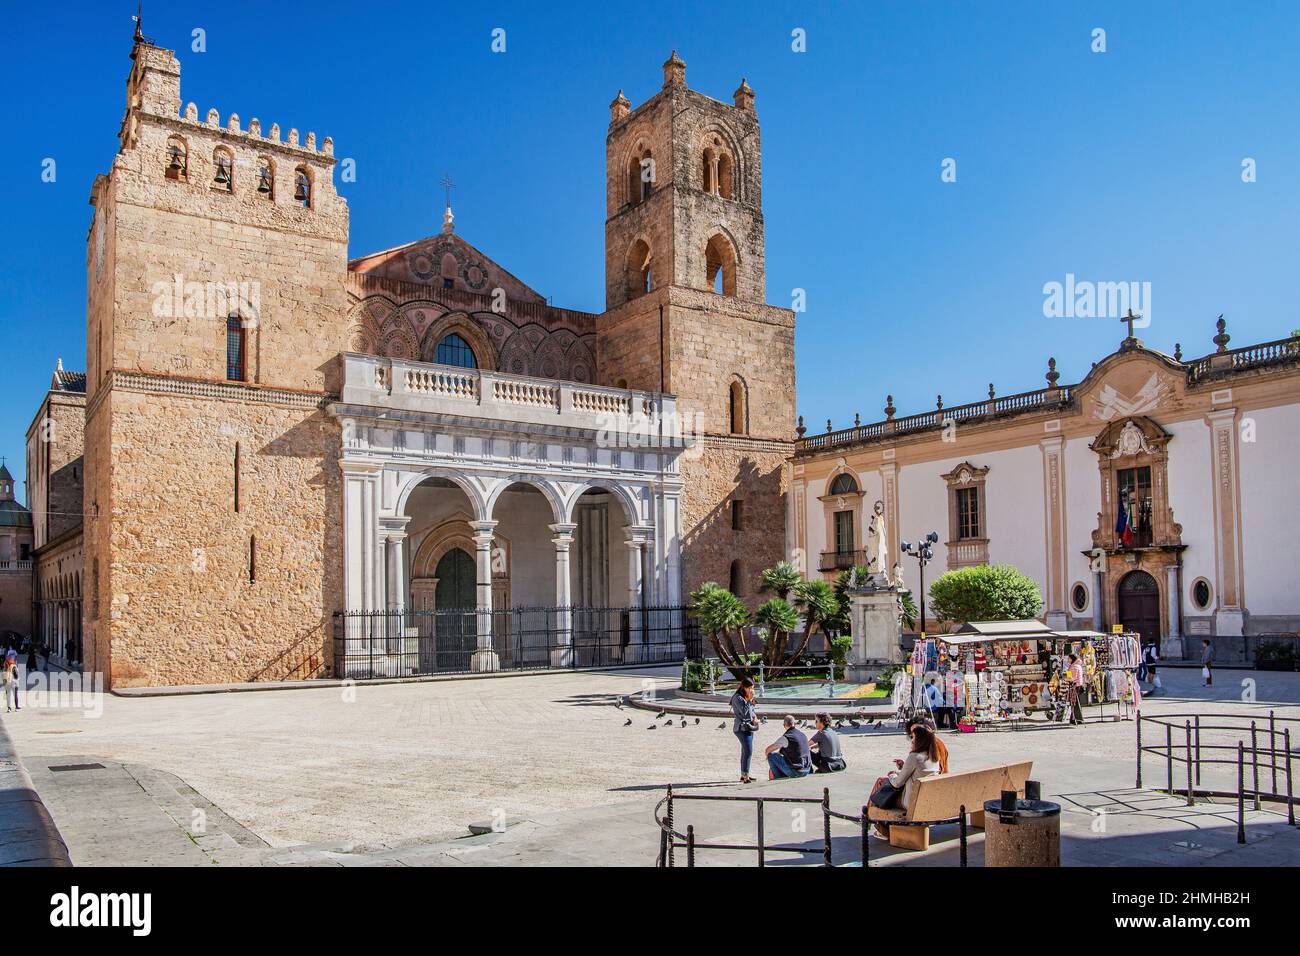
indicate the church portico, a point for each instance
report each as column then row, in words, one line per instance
column 501, row 511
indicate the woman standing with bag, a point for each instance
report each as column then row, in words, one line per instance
column 746, row 722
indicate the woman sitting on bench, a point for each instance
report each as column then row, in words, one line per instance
column 894, row 789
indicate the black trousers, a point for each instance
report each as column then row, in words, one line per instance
column 826, row 764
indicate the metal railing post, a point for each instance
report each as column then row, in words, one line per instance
column 690, row 845
column 1169, row 758
column 1254, row 761
column 1187, row 726
column 1138, row 784
column 1272, row 748
column 1198, row 749
column 1290, row 798
column 826, row 824
column 866, row 837
column 1241, row 796
column 963, row 834
column 668, row 816
column 761, row 859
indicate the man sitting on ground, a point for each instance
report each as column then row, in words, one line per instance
column 789, row 756
column 825, row 744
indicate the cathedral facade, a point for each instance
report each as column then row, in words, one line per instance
column 276, row 433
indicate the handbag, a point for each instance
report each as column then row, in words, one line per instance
column 886, row 796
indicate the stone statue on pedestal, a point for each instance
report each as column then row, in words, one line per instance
column 876, row 531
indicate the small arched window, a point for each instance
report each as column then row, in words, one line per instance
column 302, row 187
column 449, row 269
column 640, row 177
column 708, row 175
column 454, row 350
column 638, row 269
column 724, row 186
column 720, row 266
column 178, row 159
column 734, row 577
column 737, row 412
column 223, row 170
column 844, row 484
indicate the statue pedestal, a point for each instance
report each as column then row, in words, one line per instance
column 873, row 613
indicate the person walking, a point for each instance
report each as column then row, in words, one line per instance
column 744, row 725
column 1074, row 674
column 9, row 679
column 1150, row 658
column 1207, row 662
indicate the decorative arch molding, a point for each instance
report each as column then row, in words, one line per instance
column 547, row 488
column 459, row 323
column 474, row 487
column 722, row 254
column 630, row 503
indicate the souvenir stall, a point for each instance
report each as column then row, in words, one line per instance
column 1110, row 663
column 996, row 674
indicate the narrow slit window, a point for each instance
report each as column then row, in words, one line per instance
column 236, row 477
column 252, row 559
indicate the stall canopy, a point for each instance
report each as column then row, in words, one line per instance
column 976, row 631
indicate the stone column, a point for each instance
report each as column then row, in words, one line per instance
column 360, row 534
column 485, row 658
column 1098, row 599
column 636, row 580
column 1171, row 648
column 562, row 652
column 1228, row 615
column 1053, row 450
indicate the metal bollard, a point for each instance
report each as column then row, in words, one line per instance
column 761, row 855
column 866, row 837
column 1188, row 728
column 1254, row 762
column 1138, row 784
column 1290, row 799
column 963, row 834
column 1198, row 749
column 668, row 817
column 1272, row 749
column 690, row 844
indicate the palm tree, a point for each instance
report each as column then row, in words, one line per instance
column 721, row 614
column 780, row 579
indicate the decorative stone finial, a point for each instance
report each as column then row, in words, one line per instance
column 1178, row 351
column 938, row 402
column 311, row 141
column 327, row 147
column 992, row 395
column 674, row 71
column 889, row 407
column 293, row 136
column 619, row 107
column 448, row 221
column 744, row 96
column 58, row 365
column 802, row 429
column 274, row 134
column 1052, row 373
column 255, row 127
column 213, row 118
column 232, row 123
column 191, row 112
column 1223, row 338
column 828, row 426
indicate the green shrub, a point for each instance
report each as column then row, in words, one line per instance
column 996, row 592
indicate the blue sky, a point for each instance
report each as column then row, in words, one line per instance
column 1116, row 166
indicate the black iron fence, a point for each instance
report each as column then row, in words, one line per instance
column 407, row 643
column 1258, row 761
column 672, row 839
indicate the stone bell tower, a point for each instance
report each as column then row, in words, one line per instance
column 685, row 312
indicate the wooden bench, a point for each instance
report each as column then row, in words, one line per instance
column 942, row 797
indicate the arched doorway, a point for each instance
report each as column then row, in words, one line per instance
column 1139, row 606
column 454, row 625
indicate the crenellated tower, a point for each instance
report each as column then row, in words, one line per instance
column 216, row 267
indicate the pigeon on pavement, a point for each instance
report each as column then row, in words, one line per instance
column 628, row 722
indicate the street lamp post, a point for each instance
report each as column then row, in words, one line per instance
column 923, row 551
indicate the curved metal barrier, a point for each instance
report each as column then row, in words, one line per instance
column 1196, row 754
column 671, row 839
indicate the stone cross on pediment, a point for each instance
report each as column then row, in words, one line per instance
column 1130, row 319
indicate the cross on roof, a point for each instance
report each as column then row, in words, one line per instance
column 448, row 185
column 1130, row 319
